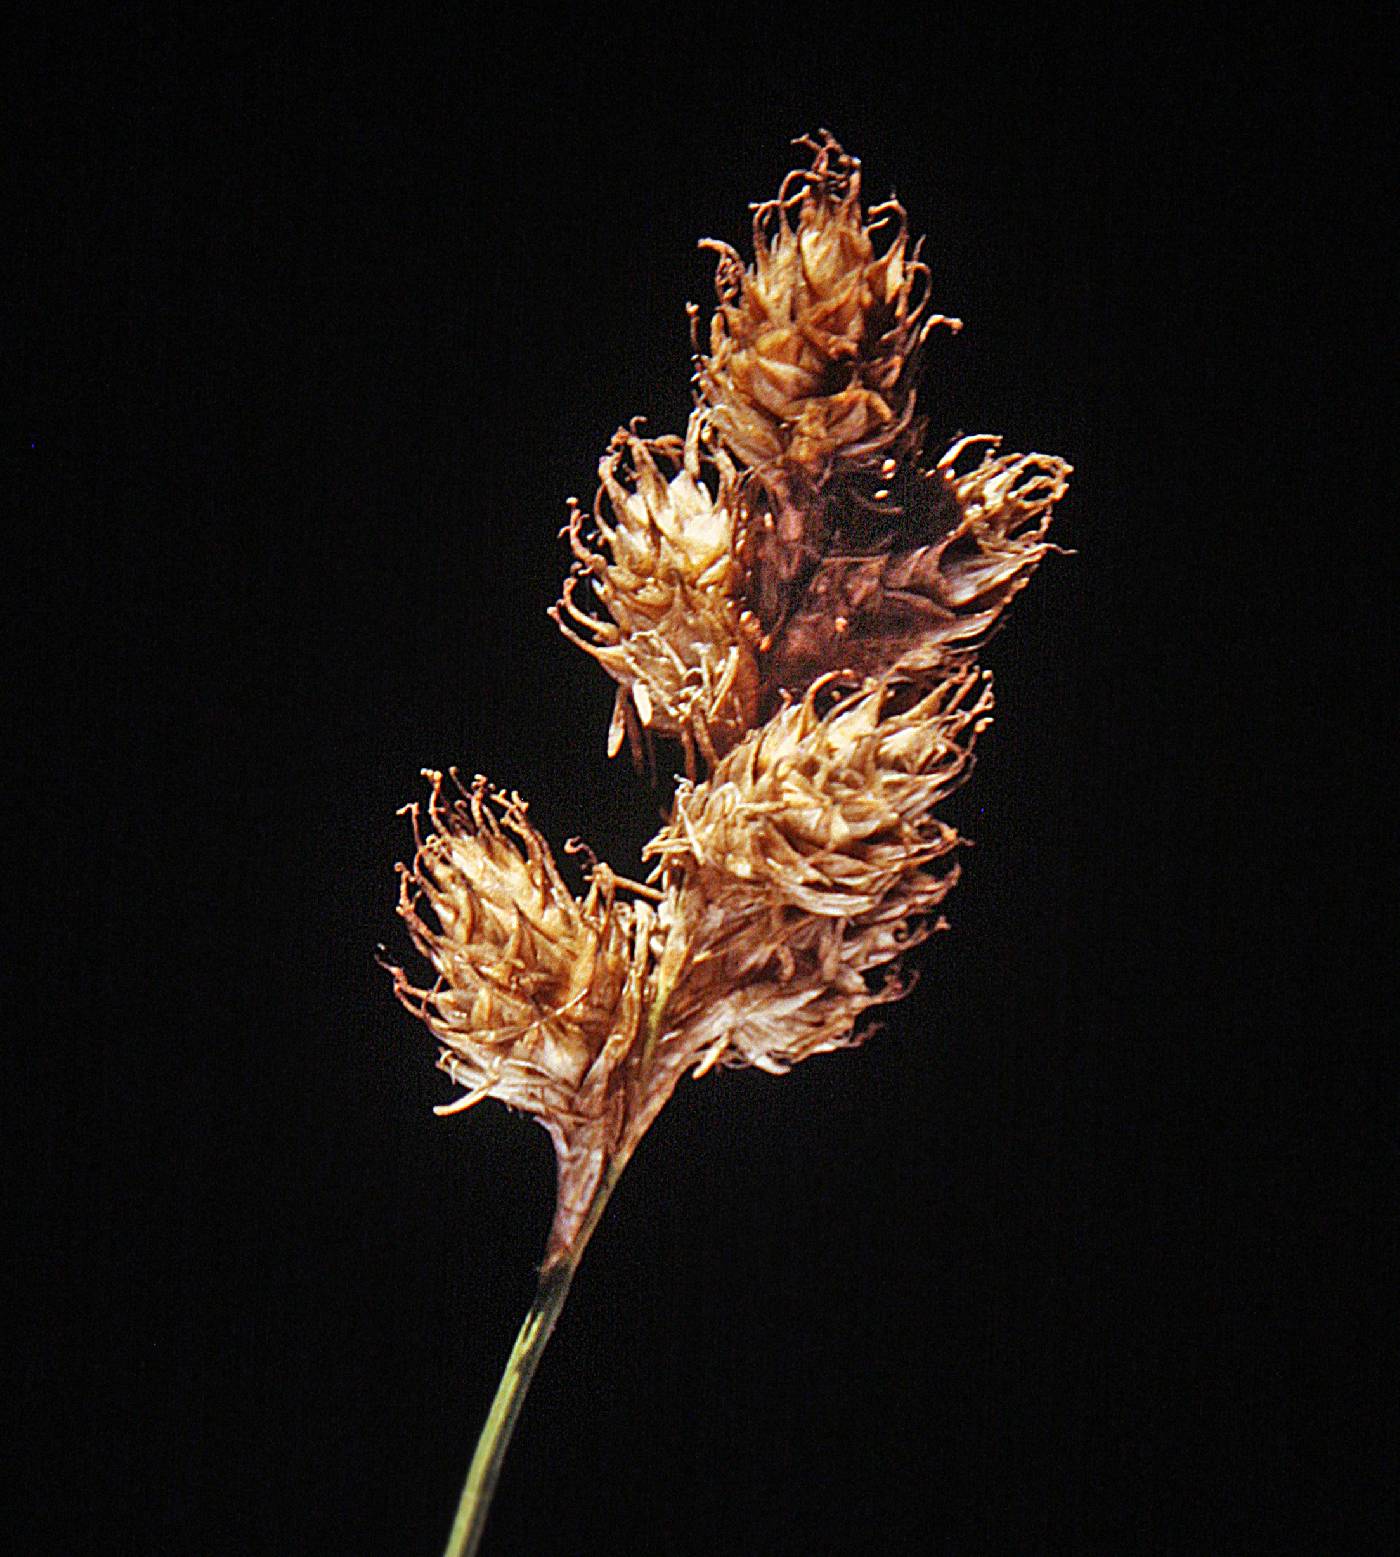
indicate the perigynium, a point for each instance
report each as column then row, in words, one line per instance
column 790, row 602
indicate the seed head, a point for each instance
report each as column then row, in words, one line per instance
column 806, row 861
column 538, row 994
column 932, row 580
column 674, row 638
column 813, row 350
column 787, row 593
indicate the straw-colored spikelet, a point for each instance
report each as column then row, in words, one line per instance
column 807, row 859
column 675, row 638
column 813, row 359
column 539, row 996
column 814, row 350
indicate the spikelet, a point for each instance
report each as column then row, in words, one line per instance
column 982, row 535
column 674, row 638
column 806, row 861
column 812, row 362
column 814, row 351
column 539, row 996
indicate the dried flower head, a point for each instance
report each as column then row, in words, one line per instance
column 675, row 638
column 789, row 595
column 539, row 996
column 814, row 350
column 806, row 860
column 813, row 361
column 935, row 575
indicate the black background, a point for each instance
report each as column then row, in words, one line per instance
column 327, row 321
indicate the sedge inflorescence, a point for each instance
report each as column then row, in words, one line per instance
column 789, row 600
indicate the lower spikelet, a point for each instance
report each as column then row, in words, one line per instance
column 538, row 994
column 806, row 861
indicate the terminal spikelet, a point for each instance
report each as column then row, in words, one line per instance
column 813, row 358
column 814, row 349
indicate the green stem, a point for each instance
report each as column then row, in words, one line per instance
column 556, row 1277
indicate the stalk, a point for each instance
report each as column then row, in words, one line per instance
column 556, row 1277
